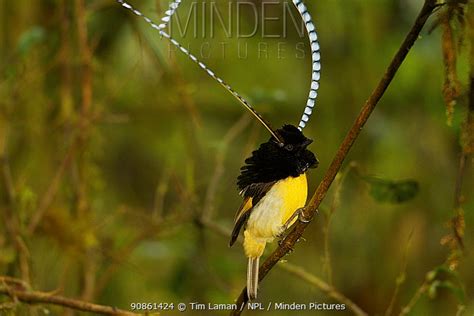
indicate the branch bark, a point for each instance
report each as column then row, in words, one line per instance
column 299, row 272
column 17, row 290
column 288, row 243
column 467, row 147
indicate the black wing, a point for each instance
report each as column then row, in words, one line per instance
column 252, row 195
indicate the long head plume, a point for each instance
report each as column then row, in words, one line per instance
column 315, row 57
column 160, row 28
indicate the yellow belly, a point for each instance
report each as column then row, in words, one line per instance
column 296, row 192
column 272, row 212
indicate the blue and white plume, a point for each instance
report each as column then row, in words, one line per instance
column 316, row 62
column 315, row 55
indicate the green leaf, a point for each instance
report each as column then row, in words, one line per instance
column 442, row 277
column 389, row 191
column 441, row 272
column 446, row 285
column 31, row 37
column 433, row 289
column 455, row 290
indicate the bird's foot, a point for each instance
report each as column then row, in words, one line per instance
column 302, row 217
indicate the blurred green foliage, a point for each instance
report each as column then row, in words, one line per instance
column 392, row 191
column 131, row 169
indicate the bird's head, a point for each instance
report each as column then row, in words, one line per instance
column 294, row 149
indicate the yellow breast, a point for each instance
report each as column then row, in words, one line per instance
column 295, row 191
column 272, row 212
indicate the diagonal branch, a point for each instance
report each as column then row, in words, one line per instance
column 288, row 243
column 299, row 272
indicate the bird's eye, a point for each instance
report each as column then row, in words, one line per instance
column 289, row 147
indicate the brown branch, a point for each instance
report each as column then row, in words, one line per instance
column 12, row 289
column 64, row 56
column 451, row 86
column 457, row 222
column 298, row 272
column 10, row 216
column 467, row 149
column 288, row 243
column 458, row 196
column 86, row 59
column 7, row 280
column 80, row 128
column 86, row 95
column 89, row 265
column 6, row 172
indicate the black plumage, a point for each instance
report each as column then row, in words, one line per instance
column 272, row 162
column 267, row 165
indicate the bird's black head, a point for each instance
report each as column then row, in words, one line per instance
column 293, row 152
column 274, row 161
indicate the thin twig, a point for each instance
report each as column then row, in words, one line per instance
column 421, row 290
column 89, row 265
column 86, row 101
column 461, row 310
column 298, row 272
column 10, row 216
column 159, row 197
column 36, row 297
column 64, row 58
column 400, row 279
column 122, row 254
column 48, row 198
column 86, row 59
column 7, row 176
column 10, row 281
column 288, row 243
column 234, row 131
column 24, row 257
column 327, row 267
column 323, row 286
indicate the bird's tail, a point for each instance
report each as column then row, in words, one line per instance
column 252, row 278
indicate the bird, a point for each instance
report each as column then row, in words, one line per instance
column 274, row 188
column 273, row 180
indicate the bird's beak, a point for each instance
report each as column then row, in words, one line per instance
column 316, row 164
column 307, row 142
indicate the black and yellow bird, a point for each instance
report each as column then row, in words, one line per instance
column 274, row 187
column 273, row 180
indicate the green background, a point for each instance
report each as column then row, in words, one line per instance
column 139, row 164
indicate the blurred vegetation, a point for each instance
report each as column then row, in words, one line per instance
column 118, row 154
